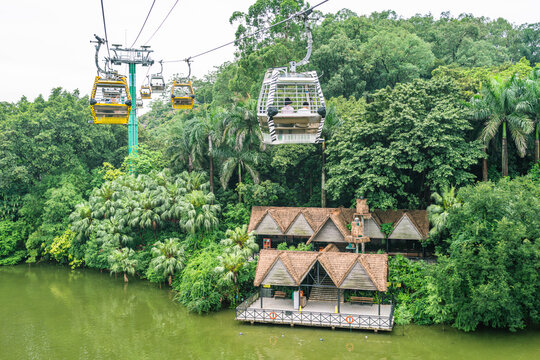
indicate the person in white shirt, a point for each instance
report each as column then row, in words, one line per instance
column 287, row 109
column 304, row 109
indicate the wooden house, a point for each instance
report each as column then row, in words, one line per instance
column 344, row 227
column 323, row 283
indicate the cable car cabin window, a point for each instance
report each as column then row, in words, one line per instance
column 110, row 101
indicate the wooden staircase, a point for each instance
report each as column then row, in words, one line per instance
column 324, row 293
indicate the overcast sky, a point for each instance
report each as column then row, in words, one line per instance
column 45, row 44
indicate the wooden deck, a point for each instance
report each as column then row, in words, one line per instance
column 316, row 313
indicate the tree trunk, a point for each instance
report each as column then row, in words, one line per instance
column 504, row 152
column 170, row 280
column 484, row 166
column 190, row 164
column 125, row 278
column 537, row 143
column 211, row 160
column 323, row 179
column 239, row 180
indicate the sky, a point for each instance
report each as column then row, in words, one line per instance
column 46, row 44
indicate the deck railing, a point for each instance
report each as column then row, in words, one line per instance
column 310, row 318
column 246, row 303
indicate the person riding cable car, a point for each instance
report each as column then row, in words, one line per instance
column 145, row 92
column 182, row 94
column 157, row 83
column 291, row 106
column 110, row 101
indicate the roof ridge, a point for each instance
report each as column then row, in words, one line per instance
column 293, row 220
column 318, row 229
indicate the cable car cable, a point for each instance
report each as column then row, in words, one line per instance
column 147, row 16
column 252, row 34
column 159, row 27
column 105, row 27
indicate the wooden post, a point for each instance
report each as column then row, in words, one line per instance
column 363, row 248
column 260, row 295
column 338, row 300
column 379, row 301
column 387, row 245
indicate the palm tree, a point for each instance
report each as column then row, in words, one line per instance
column 230, row 264
column 530, row 105
column 496, row 104
column 243, row 124
column 81, row 221
column 121, row 261
column 180, row 148
column 240, row 239
column 438, row 212
column 200, row 214
column 206, row 132
column 168, row 257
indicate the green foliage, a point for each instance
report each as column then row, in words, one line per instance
column 199, row 287
column 266, row 193
column 59, row 249
column 122, row 261
column 167, row 258
column 235, row 215
column 12, row 235
column 412, row 138
column 299, row 247
column 142, row 160
column 490, row 274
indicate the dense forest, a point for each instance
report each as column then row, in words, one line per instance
column 422, row 112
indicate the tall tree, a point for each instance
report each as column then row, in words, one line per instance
column 206, row 133
column 530, row 105
column 496, row 104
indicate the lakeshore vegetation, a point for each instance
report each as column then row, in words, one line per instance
column 422, row 113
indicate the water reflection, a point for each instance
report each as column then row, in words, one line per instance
column 50, row 312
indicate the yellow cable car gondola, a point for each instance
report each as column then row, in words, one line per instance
column 182, row 95
column 145, row 92
column 110, row 101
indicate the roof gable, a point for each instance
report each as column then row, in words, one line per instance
column 268, row 226
column 358, row 278
column 337, row 265
column 300, row 226
column 327, row 232
column 278, row 274
column 405, row 229
column 372, row 229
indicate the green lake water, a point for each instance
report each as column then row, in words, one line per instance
column 51, row 312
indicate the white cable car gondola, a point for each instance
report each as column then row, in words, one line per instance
column 291, row 106
column 110, row 101
column 182, row 94
column 157, row 83
column 140, row 104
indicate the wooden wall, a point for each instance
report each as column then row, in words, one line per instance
column 278, row 275
column 329, row 233
column 300, row 227
column 268, row 226
column 358, row 279
column 372, row 229
column 405, row 230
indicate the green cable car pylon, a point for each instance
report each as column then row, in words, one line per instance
column 132, row 57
